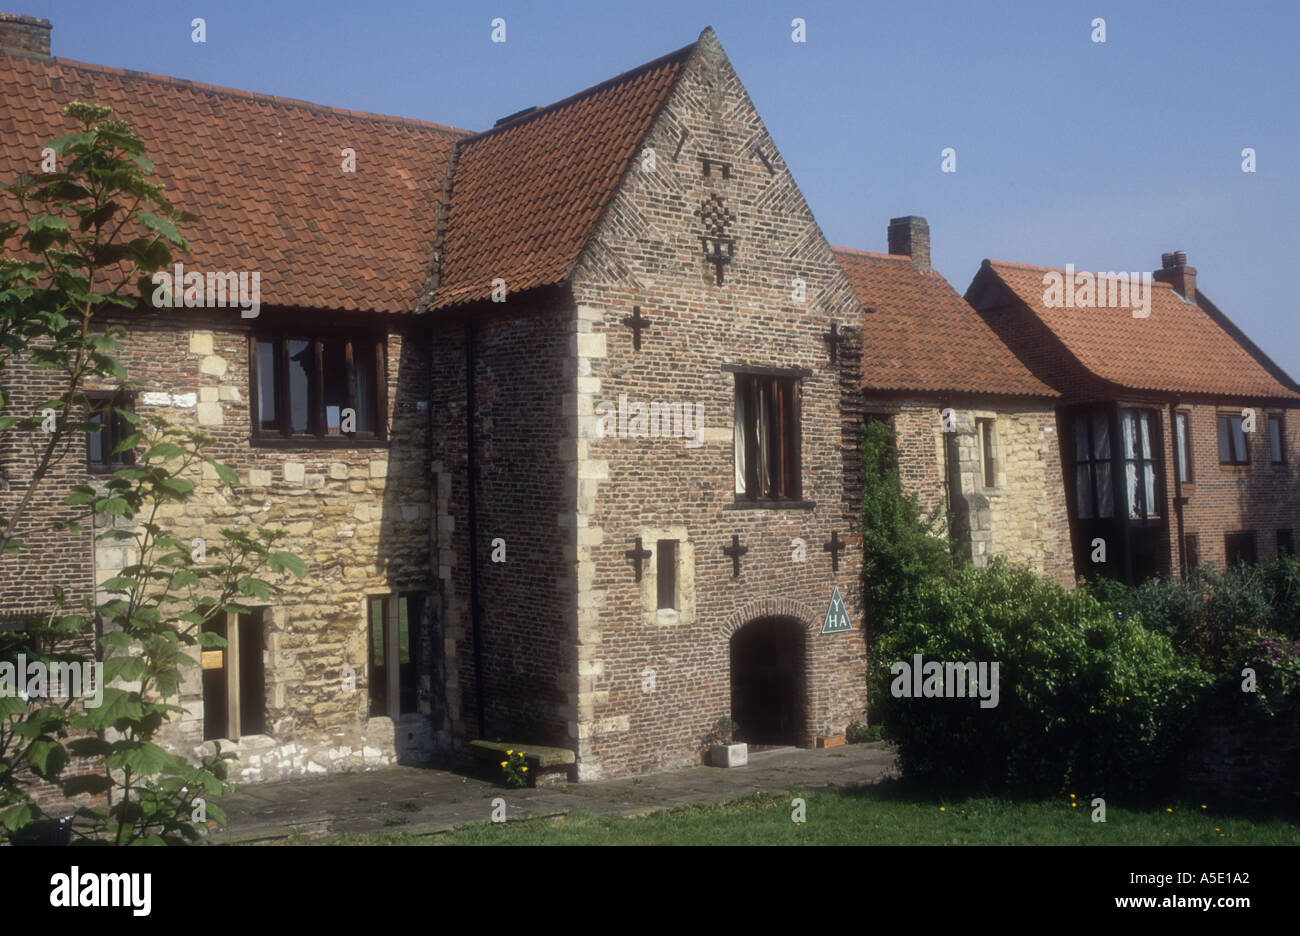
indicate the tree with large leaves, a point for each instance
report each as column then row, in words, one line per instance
column 88, row 241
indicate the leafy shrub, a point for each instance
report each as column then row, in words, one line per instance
column 1224, row 619
column 901, row 545
column 1087, row 699
column 859, row 732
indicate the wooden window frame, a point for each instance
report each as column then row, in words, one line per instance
column 1154, row 462
column 233, row 655
column 1191, row 553
column 1183, row 445
column 986, row 439
column 785, row 488
column 1093, row 462
column 400, row 697
column 1280, row 418
column 1245, row 441
column 316, row 437
column 1254, row 547
column 115, row 430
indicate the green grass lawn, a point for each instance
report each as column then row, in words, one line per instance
column 884, row 814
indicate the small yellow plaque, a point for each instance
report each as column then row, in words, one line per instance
column 212, row 659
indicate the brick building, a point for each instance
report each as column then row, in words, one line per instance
column 594, row 496
column 994, row 460
column 1179, row 434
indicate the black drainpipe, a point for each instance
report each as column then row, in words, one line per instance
column 476, row 611
column 1178, row 486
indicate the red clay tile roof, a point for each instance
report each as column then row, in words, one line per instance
column 264, row 175
column 526, row 196
column 1179, row 348
column 923, row 336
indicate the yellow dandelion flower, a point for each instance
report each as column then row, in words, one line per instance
column 503, row 763
column 1071, row 796
column 1202, row 805
column 511, row 751
column 1074, row 805
column 525, row 770
column 1168, row 810
column 941, row 809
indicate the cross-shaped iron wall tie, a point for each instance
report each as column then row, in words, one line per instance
column 735, row 551
column 834, row 338
column 638, row 555
column 834, row 547
column 637, row 322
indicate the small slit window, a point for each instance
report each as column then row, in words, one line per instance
column 666, row 571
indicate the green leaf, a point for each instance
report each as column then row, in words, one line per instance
column 282, row 561
column 164, row 450
column 224, row 472
column 255, row 587
column 47, row 223
column 160, row 226
column 127, row 444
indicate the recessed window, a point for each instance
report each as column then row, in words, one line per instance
column 1094, row 490
column 1284, row 547
column 1141, row 480
column 1277, row 454
column 1183, row 441
column 984, row 427
column 666, row 572
column 767, row 438
column 103, row 411
column 307, row 387
column 1232, row 442
column 234, row 678
column 1191, row 553
column 1239, row 548
column 390, row 619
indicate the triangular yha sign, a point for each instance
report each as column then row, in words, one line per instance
column 837, row 616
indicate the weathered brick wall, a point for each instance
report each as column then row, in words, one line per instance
column 524, row 601
column 648, row 254
column 51, row 557
column 357, row 516
column 1260, row 496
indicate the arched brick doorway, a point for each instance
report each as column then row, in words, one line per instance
column 768, row 681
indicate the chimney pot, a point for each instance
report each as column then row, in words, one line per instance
column 910, row 237
column 1175, row 271
column 20, row 33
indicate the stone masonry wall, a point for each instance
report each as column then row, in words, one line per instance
column 357, row 516
column 650, row 683
column 1023, row 516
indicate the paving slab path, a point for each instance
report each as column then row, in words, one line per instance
column 424, row 800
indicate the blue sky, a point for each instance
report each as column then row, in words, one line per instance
column 1068, row 151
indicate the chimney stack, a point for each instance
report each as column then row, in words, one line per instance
column 910, row 237
column 25, row 34
column 1175, row 271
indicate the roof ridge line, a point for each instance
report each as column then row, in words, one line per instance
column 853, row 251
column 242, row 93
column 531, row 115
column 1047, row 269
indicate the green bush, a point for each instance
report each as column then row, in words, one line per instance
column 1225, row 619
column 901, row 545
column 1087, row 701
column 859, row 732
